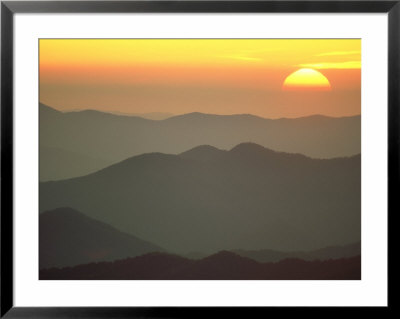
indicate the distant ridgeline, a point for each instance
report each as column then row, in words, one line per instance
column 78, row 143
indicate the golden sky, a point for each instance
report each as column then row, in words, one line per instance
column 218, row 76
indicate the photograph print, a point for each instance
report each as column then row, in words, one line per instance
column 199, row 159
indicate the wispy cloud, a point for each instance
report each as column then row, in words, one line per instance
column 242, row 58
column 333, row 65
column 334, row 53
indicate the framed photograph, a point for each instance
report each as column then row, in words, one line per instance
column 195, row 158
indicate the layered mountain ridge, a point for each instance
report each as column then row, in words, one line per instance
column 207, row 200
column 106, row 138
column 221, row 266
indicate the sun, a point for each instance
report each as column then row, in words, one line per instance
column 306, row 80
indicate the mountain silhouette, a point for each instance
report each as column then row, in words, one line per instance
column 247, row 198
column 333, row 252
column 221, row 266
column 112, row 138
column 150, row 116
column 203, row 153
column 68, row 237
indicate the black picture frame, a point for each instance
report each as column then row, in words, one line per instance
column 9, row 8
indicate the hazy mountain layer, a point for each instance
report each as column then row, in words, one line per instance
column 334, row 252
column 221, row 266
column 207, row 200
column 112, row 138
column 57, row 164
column 68, row 238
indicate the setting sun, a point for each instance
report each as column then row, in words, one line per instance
column 223, row 76
column 306, row 79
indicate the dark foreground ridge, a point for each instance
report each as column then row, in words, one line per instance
column 221, row 266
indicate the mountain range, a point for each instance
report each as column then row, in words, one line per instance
column 207, row 199
column 221, row 266
column 69, row 238
column 99, row 139
column 332, row 252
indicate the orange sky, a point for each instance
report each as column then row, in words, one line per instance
column 212, row 76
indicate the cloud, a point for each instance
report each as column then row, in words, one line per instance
column 242, row 58
column 334, row 53
column 333, row 65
